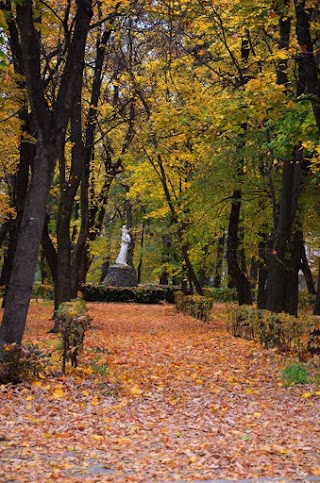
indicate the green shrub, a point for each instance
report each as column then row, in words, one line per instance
column 42, row 291
column 314, row 340
column 149, row 294
column 73, row 321
column 306, row 300
column 244, row 322
column 221, row 294
column 295, row 374
column 18, row 362
column 195, row 305
column 179, row 300
column 282, row 331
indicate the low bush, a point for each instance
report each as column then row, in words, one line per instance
column 149, row 294
column 295, row 374
column 42, row 291
column 306, row 301
column 73, row 321
column 18, row 362
column 221, row 294
column 195, row 305
column 283, row 331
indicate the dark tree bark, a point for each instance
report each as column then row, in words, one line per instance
column 280, row 269
column 234, row 248
column 51, row 124
column 238, row 277
column 316, row 308
column 49, row 250
column 165, row 258
column 219, row 261
column 93, row 205
column 305, row 268
column 27, row 151
column 309, row 82
column 68, row 189
column 20, row 186
column 129, row 223
column 282, row 287
column 291, row 296
column 262, row 275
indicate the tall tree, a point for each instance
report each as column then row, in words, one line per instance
column 51, row 122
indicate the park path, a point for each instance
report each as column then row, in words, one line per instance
column 182, row 400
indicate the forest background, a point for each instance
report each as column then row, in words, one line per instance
column 196, row 124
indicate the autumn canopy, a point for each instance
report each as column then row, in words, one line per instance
column 196, row 124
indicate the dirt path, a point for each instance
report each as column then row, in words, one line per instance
column 182, row 400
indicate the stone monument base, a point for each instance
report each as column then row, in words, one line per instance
column 121, row 276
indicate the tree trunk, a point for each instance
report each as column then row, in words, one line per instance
column 69, row 185
column 292, row 285
column 91, row 218
column 20, row 182
column 48, row 250
column 51, row 126
column 316, row 308
column 140, row 264
column 307, row 61
column 219, row 260
column 25, row 260
column 238, row 277
column 262, row 276
column 165, row 258
column 307, row 272
column 191, row 273
column 279, row 256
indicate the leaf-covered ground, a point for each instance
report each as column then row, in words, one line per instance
column 179, row 400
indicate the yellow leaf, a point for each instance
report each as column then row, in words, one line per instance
column 135, row 390
column 124, row 440
column 58, row 393
column 94, row 401
column 307, row 394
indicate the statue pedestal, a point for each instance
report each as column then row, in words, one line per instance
column 121, row 276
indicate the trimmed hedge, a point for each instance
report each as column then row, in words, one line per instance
column 282, row 331
column 142, row 295
column 306, row 300
column 195, row 305
column 221, row 294
column 39, row 291
column 42, row 291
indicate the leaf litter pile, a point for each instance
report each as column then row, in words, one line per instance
column 157, row 396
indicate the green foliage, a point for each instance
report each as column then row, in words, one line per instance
column 152, row 294
column 221, row 294
column 99, row 367
column 42, row 291
column 314, row 341
column 295, row 374
column 73, row 323
column 18, row 362
column 306, row 300
column 281, row 331
column 195, row 305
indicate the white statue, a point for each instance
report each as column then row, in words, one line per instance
column 125, row 242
